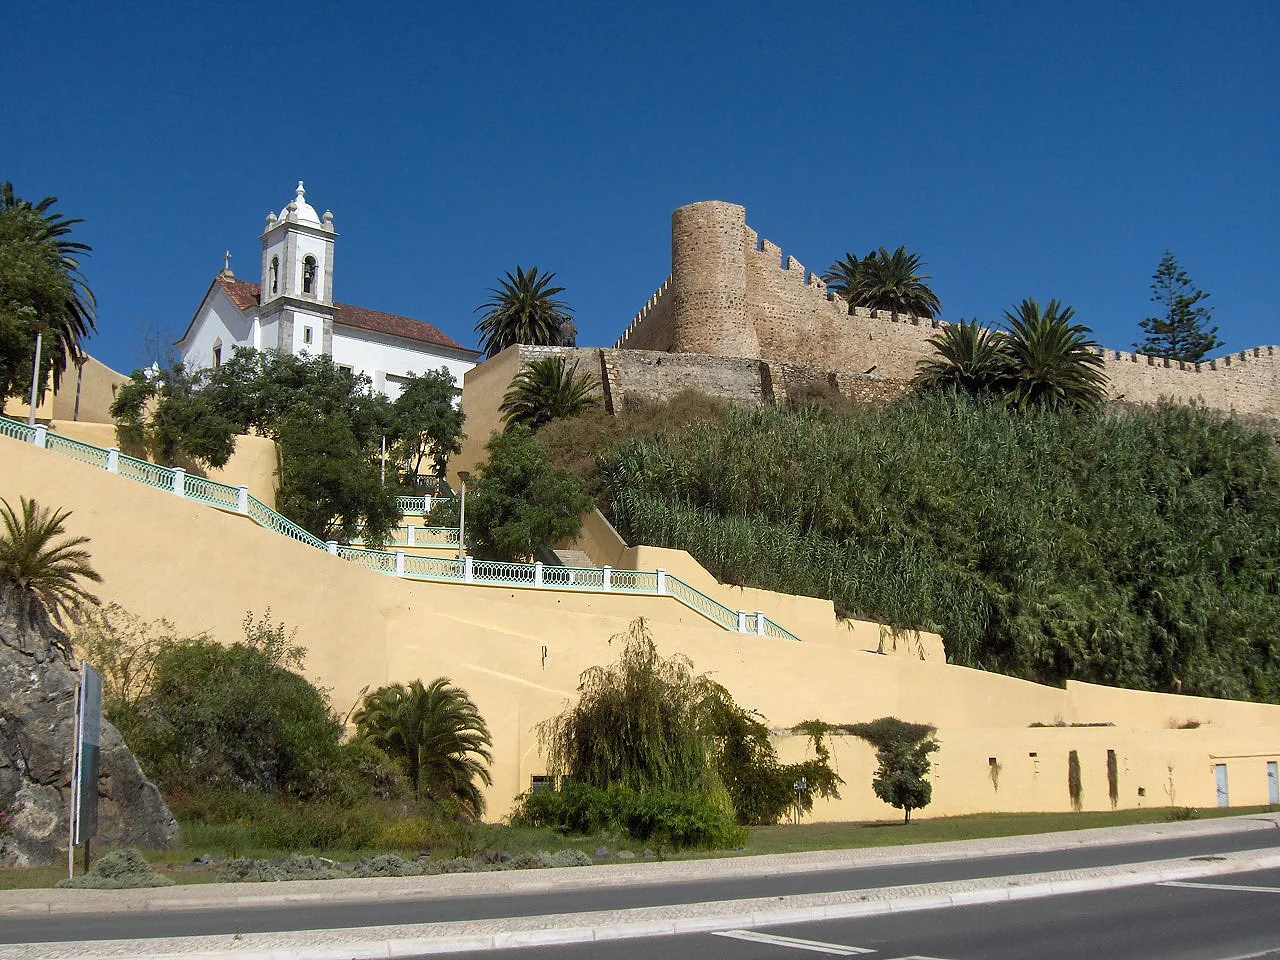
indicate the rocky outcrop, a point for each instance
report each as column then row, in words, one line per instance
column 37, row 710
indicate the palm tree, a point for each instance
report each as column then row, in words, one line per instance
column 842, row 277
column 437, row 733
column 39, row 566
column 892, row 281
column 73, row 320
column 971, row 358
column 546, row 390
column 523, row 309
column 1052, row 361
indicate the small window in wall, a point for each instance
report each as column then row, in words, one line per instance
column 542, row 784
column 346, row 369
column 306, row 334
column 217, row 356
column 275, row 275
column 309, row 275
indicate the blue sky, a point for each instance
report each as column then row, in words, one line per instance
column 1024, row 149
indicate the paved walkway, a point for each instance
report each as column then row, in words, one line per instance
column 415, row 939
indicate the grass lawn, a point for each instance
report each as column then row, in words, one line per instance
column 219, row 841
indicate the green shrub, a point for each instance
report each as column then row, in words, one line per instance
column 1178, row 814
column 118, row 870
column 679, row 819
column 387, row 865
column 248, row 870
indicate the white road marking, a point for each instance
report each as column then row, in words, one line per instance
column 816, row 946
column 1217, row 886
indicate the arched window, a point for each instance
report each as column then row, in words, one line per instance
column 275, row 274
column 309, row 275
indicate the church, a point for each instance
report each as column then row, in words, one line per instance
column 292, row 310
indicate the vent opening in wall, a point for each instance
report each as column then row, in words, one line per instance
column 306, row 334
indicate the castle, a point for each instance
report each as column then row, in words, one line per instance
column 732, row 294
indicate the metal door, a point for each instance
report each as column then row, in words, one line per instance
column 1273, row 784
column 1220, row 772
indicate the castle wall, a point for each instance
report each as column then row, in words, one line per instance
column 734, row 294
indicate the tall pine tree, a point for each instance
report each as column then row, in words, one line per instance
column 1182, row 331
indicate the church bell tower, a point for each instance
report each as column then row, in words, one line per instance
column 297, row 279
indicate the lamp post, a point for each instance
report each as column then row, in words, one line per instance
column 41, row 327
column 464, row 476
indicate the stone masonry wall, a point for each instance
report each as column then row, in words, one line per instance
column 733, row 294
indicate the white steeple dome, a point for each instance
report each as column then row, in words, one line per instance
column 300, row 210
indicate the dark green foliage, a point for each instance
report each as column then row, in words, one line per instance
column 884, row 281
column 761, row 789
column 902, row 761
column 523, row 309
column 40, row 286
column 1052, row 361
column 518, row 504
column 235, row 718
column 437, row 735
column 970, row 358
column 41, row 563
column 681, row 819
column 427, row 422
column 168, row 418
column 1179, row 333
column 1075, row 786
column 546, row 390
column 1113, row 779
column 1132, row 549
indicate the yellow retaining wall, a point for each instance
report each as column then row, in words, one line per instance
column 519, row 654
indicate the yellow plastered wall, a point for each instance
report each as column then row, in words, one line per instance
column 483, row 388
column 519, row 654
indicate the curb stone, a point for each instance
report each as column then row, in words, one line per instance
column 479, row 935
column 49, row 901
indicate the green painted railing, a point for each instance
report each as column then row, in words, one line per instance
column 396, row 562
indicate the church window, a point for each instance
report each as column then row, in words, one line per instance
column 217, row 356
column 306, row 334
column 275, row 274
column 309, row 275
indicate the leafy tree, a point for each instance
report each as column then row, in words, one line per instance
column 124, row 649
column 234, row 717
column 330, row 483
column 40, row 284
column 892, row 281
column 970, row 357
column 169, row 418
column 523, row 309
column 427, row 422
column 638, row 723
column 518, row 504
column 546, row 390
column 1052, row 361
column 42, row 568
column 437, row 734
column 1181, row 332
column 902, row 761
column 842, row 277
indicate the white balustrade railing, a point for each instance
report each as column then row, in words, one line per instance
column 396, row 562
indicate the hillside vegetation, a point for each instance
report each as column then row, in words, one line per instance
column 1132, row 548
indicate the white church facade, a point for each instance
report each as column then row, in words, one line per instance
column 292, row 310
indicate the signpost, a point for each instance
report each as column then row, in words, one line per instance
column 84, row 776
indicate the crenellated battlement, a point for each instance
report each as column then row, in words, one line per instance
column 734, row 293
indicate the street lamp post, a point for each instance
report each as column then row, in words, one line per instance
column 35, row 374
column 464, row 476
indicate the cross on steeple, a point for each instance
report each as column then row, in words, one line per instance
column 226, row 266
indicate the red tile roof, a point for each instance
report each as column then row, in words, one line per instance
column 246, row 295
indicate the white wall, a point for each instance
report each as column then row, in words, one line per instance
column 219, row 319
column 377, row 355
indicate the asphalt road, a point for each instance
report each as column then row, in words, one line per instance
column 428, row 909
column 1197, row 921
